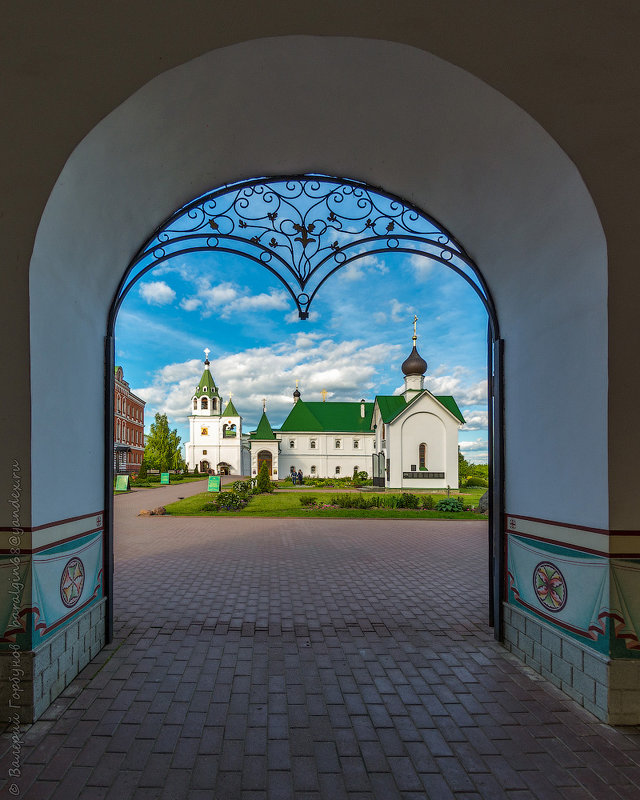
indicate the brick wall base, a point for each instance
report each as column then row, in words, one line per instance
column 608, row 688
column 30, row 681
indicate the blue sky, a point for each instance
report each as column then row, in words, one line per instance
column 358, row 334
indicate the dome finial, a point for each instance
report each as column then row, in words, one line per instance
column 206, row 356
column 415, row 364
column 296, row 393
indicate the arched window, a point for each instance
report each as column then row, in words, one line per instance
column 214, row 404
column 195, row 403
column 119, row 403
column 422, row 454
column 313, row 469
column 118, row 430
column 204, row 404
column 337, row 470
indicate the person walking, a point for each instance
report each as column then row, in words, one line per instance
column 300, row 477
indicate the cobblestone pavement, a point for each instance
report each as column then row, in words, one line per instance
column 301, row 658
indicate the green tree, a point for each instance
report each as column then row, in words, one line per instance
column 163, row 446
column 264, row 482
column 464, row 468
column 142, row 472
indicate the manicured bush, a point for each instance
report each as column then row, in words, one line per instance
column 308, row 500
column 450, row 504
column 142, row 472
column 407, row 500
column 195, row 470
column 225, row 501
column 477, row 482
column 230, row 501
column 428, row 502
column 263, row 484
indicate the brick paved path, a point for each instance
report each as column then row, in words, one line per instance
column 303, row 659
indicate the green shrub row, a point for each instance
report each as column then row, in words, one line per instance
column 404, row 500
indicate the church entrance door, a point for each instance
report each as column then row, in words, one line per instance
column 265, row 455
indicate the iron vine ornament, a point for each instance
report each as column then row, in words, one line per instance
column 302, row 229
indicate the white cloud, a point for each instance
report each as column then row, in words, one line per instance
column 475, row 446
column 400, row 311
column 264, row 301
column 157, row 293
column 347, row 370
column 227, row 298
column 362, row 268
column 475, row 420
column 477, row 451
column 190, row 303
column 457, row 384
column 422, row 266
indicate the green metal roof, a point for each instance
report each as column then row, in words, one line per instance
column 206, row 382
column 337, row 417
column 450, row 404
column 264, row 429
column 230, row 410
column 392, row 405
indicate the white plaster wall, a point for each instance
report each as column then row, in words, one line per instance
column 325, row 456
column 422, row 427
column 383, row 112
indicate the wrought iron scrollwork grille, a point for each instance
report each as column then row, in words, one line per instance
column 303, row 229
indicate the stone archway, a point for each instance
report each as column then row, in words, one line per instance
column 504, row 186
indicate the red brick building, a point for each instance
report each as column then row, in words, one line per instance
column 128, row 427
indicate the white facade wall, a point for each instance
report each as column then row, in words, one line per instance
column 218, row 448
column 325, row 457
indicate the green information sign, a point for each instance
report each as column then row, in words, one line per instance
column 164, row 477
column 122, row 483
column 214, row 483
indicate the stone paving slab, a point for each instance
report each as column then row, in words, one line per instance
column 311, row 658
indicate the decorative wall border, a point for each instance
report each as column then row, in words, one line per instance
column 595, row 541
column 41, row 537
column 600, row 568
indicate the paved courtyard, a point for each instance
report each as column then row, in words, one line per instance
column 302, row 658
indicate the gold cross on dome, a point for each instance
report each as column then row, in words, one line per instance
column 206, row 353
column 324, row 394
column 264, row 403
column 415, row 320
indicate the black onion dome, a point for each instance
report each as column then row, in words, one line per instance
column 296, row 393
column 415, row 364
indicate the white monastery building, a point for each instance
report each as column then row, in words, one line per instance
column 404, row 441
column 215, row 433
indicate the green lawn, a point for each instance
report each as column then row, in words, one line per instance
column 287, row 504
column 189, row 479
